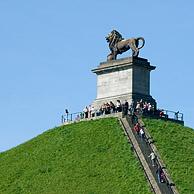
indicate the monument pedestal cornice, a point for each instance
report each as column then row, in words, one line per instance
column 122, row 64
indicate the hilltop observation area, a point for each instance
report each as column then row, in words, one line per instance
column 123, row 85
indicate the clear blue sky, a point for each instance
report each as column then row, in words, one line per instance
column 48, row 48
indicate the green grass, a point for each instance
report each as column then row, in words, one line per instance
column 90, row 157
column 176, row 146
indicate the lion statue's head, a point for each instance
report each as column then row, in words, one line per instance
column 114, row 36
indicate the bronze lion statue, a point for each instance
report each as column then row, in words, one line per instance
column 118, row 45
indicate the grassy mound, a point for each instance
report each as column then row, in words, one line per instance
column 176, row 146
column 90, row 157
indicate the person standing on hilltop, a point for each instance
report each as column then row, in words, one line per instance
column 67, row 114
column 118, row 106
column 85, row 110
column 125, row 107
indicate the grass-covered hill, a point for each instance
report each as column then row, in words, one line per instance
column 176, row 146
column 90, row 157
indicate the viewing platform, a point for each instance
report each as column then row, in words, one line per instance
column 162, row 114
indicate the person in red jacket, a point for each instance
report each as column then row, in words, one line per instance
column 137, row 128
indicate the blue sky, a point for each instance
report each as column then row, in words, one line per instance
column 48, row 48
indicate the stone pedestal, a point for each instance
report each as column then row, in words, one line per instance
column 123, row 79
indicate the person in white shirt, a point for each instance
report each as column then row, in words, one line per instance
column 149, row 107
column 153, row 158
column 142, row 133
column 92, row 111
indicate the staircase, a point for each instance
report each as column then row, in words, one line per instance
column 143, row 148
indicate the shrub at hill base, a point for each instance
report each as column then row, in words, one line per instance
column 176, row 146
column 90, row 157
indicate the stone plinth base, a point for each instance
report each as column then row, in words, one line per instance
column 123, row 79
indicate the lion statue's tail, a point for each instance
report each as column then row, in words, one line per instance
column 137, row 42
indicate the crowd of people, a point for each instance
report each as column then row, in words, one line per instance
column 148, row 109
column 140, row 108
column 106, row 108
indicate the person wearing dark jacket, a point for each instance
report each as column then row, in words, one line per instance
column 126, row 107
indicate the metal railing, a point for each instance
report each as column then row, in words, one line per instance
column 159, row 113
column 164, row 114
column 173, row 115
column 70, row 117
